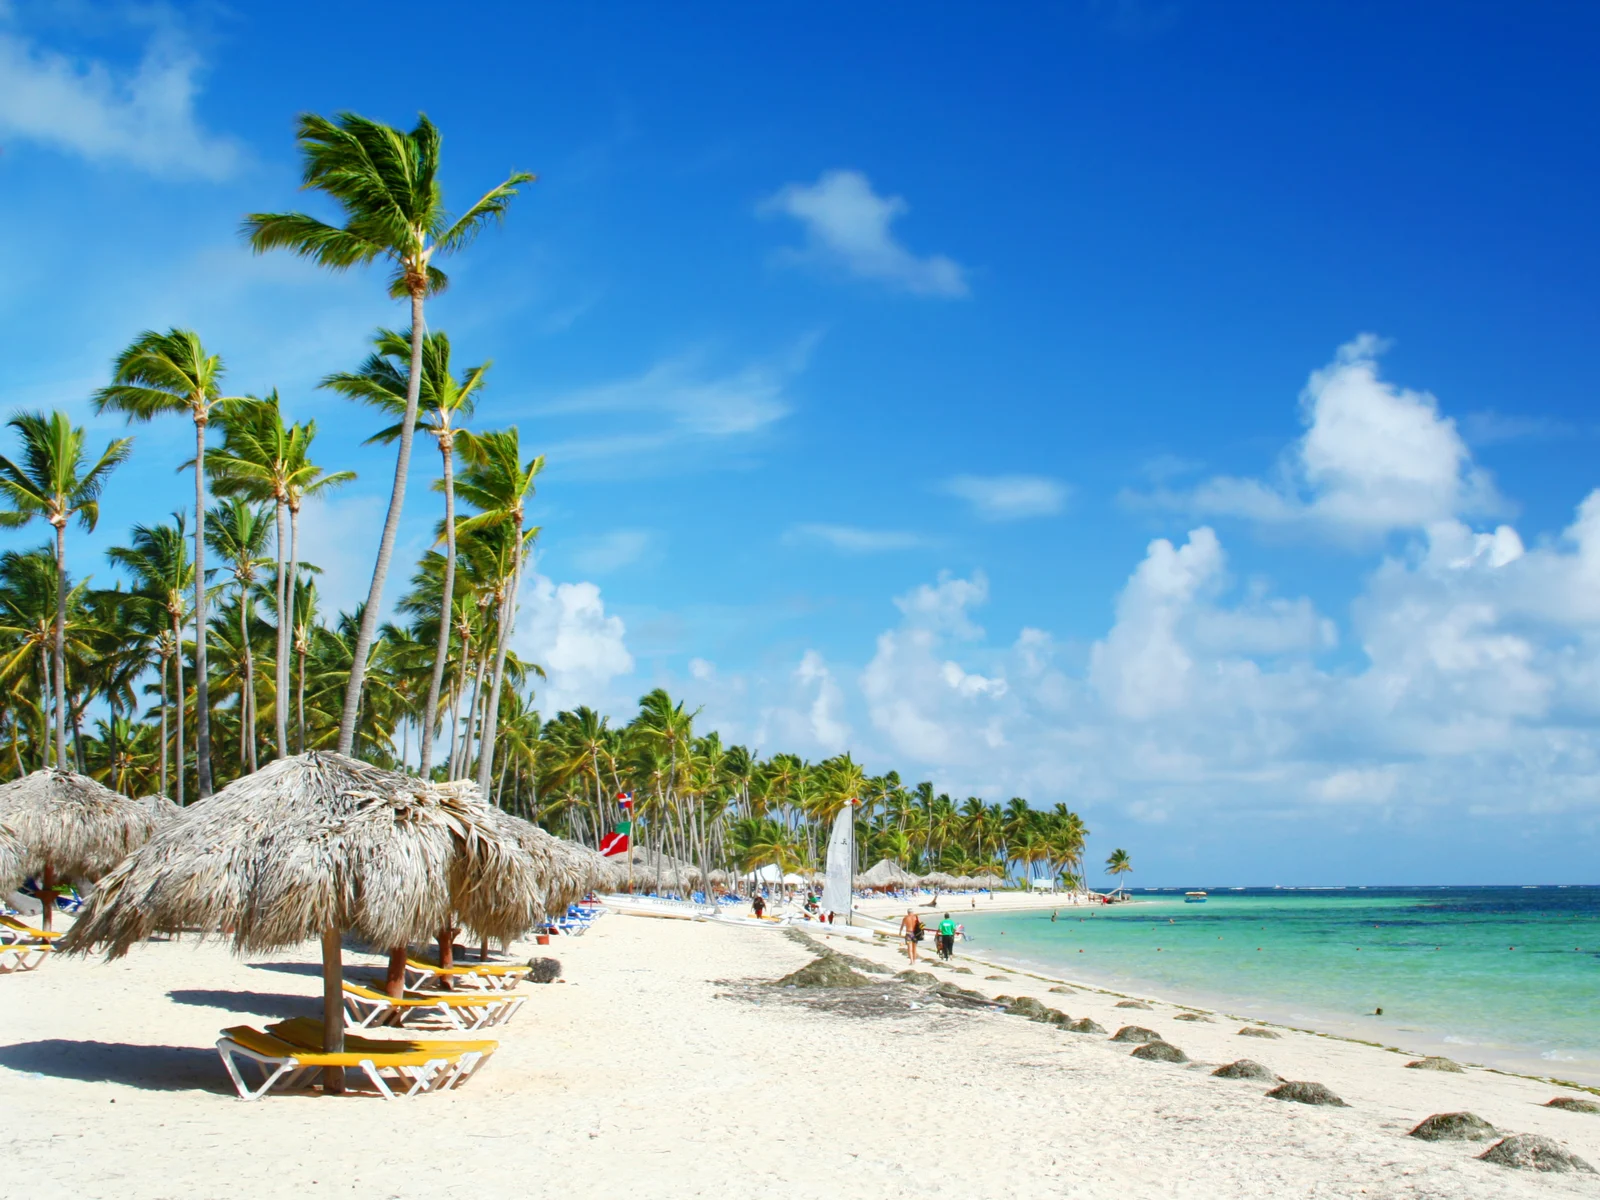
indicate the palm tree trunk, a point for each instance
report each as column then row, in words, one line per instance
column 164, row 791
column 391, row 526
column 247, row 706
column 46, row 690
column 472, row 714
column 300, row 701
column 508, row 617
column 431, row 711
column 61, row 646
column 202, row 695
column 288, row 619
column 177, row 659
column 280, row 688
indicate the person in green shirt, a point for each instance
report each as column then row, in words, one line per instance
column 947, row 937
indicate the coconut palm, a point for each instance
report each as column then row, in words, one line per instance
column 387, row 184
column 1118, row 864
column 239, row 532
column 51, row 483
column 382, row 383
column 499, row 484
column 158, row 561
column 161, row 373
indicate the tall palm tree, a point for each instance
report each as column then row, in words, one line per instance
column 171, row 372
column 238, row 532
column 158, row 560
column 1118, row 864
column 51, row 483
column 499, row 484
column 387, row 184
column 381, row 383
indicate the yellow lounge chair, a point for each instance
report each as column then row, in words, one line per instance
column 489, row 977
column 306, row 1032
column 284, row 1064
column 13, row 930
column 366, row 1009
column 22, row 956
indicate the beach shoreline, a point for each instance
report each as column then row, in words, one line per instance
column 668, row 1064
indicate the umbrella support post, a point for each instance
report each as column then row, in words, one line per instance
column 332, row 1009
column 47, row 893
column 395, row 982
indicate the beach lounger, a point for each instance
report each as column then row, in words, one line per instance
column 283, row 1064
column 488, row 977
column 13, row 931
column 368, row 1009
column 306, row 1032
column 22, row 956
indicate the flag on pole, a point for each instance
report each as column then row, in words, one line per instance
column 617, row 841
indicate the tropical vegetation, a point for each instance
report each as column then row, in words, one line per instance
column 204, row 652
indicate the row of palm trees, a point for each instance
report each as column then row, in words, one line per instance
column 163, row 681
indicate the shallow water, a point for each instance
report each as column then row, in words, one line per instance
column 1507, row 977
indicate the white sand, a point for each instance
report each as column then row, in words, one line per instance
column 644, row 1076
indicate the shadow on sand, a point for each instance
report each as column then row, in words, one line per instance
column 313, row 970
column 155, row 1068
column 254, row 1004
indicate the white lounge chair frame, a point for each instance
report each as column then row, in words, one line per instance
column 362, row 1012
column 287, row 1070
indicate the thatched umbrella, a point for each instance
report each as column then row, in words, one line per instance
column 988, row 880
column 71, row 827
column 567, row 871
column 319, row 845
column 883, row 874
column 939, row 879
column 11, row 857
column 163, row 809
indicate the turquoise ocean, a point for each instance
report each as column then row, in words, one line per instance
column 1503, row 977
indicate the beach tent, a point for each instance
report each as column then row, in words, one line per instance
column 793, row 880
column 71, row 827
column 317, row 846
column 769, row 874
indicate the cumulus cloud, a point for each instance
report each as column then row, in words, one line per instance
column 847, row 224
column 1009, row 497
column 1375, row 458
column 853, row 540
column 144, row 116
column 564, row 627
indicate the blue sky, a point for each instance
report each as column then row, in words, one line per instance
column 1177, row 410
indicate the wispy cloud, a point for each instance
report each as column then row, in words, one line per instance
column 1488, row 428
column 852, row 540
column 144, row 116
column 1009, row 497
column 848, row 224
column 612, row 551
column 677, row 402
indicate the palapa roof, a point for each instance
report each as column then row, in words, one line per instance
column 77, row 826
column 940, row 879
column 11, row 868
column 884, row 873
column 567, row 870
column 162, row 808
column 314, row 842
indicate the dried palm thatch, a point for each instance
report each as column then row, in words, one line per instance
column 163, row 809
column 566, row 870
column 313, row 843
column 11, row 868
column 76, row 827
column 940, row 880
column 320, row 845
column 884, row 874
column 988, row 880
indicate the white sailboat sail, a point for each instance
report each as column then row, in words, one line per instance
column 839, row 885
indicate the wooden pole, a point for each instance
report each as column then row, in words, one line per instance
column 332, row 1010
column 394, row 983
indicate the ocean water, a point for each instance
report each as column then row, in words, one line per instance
column 1505, row 977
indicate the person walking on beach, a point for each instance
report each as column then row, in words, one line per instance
column 947, row 938
column 758, row 905
column 911, row 930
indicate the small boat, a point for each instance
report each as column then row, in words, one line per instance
column 1194, row 897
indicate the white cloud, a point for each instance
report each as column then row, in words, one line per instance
column 852, row 540
column 701, row 668
column 565, row 629
column 849, row 224
column 144, row 117
column 826, row 728
column 942, row 606
column 1009, row 497
column 1375, row 458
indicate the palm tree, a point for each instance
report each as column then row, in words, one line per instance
column 387, row 184
column 51, row 483
column 381, row 383
column 498, row 483
column 159, row 562
column 172, row 373
column 1118, row 864
column 239, row 533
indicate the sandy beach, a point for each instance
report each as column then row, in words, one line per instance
column 664, row 1066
